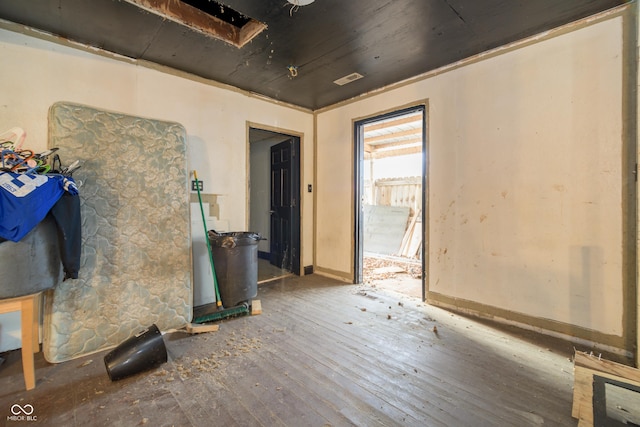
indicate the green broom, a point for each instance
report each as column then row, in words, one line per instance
column 213, row 311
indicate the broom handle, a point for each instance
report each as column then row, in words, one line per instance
column 206, row 238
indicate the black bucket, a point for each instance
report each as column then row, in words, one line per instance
column 143, row 351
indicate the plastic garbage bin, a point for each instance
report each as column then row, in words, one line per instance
column 235, row 257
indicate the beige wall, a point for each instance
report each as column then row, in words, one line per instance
column 38, row 73
column 526, row 198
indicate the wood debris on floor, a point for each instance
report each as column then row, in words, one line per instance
column 401, row 275
column 381, row 268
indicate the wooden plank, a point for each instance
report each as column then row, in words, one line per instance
column 399, row 192
column 407, row 235
column 195, row 328
column 380, row 139
column 396, row 152
column 598, row 364
column 256, row 307
column 391, row 123
column 586, row 366
column 583, row 392
column 582, row 408
column 416, row 240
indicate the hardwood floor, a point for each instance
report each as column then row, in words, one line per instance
column 268, row 272
column 323, row 353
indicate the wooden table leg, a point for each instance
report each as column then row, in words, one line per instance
column 37, row 299
column 29, row 308
column 28, row 367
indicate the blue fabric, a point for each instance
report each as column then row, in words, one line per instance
column 25, row 199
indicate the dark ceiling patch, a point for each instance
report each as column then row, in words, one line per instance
column 220, row 11
column 207, row 16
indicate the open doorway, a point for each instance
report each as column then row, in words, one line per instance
column 274, row 208
column 390, row 174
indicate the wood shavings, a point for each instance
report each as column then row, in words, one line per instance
column 235, row 346
column 382, row 268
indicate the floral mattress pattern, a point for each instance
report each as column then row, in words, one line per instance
column 136, row 257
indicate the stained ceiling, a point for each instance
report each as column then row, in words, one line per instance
column 304, row 49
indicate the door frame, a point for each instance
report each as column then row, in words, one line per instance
column 358, row 176
column 296, row 220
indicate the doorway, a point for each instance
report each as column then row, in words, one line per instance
column 274, row 208
column 390, row 173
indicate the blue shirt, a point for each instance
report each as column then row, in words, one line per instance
column 25, row 199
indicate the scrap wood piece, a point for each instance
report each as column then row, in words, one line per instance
column 408, row 233
column 415, row 242
column 256, row 307
column 598, row 364
column 585, row 366
column 195, row 328
column 583, row 395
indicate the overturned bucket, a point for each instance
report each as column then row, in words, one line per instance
column 143, row 351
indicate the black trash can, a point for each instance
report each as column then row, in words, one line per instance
column 235, row 257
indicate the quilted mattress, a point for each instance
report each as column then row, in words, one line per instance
column 136, row 257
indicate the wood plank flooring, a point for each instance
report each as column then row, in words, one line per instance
column 323, row 353
column 268, row 272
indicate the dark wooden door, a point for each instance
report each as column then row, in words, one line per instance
column 282, row 203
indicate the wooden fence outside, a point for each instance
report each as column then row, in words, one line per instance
column 395, row 192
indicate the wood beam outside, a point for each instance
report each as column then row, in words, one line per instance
column 379, row 138
column 402, row 121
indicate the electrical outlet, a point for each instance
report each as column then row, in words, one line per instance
column 200, row 185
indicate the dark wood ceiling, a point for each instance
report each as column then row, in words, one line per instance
column 384, row 40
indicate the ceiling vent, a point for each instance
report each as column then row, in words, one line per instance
column 208, row 17
column 348, row 79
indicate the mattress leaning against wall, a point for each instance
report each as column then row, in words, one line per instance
column 136, row 258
